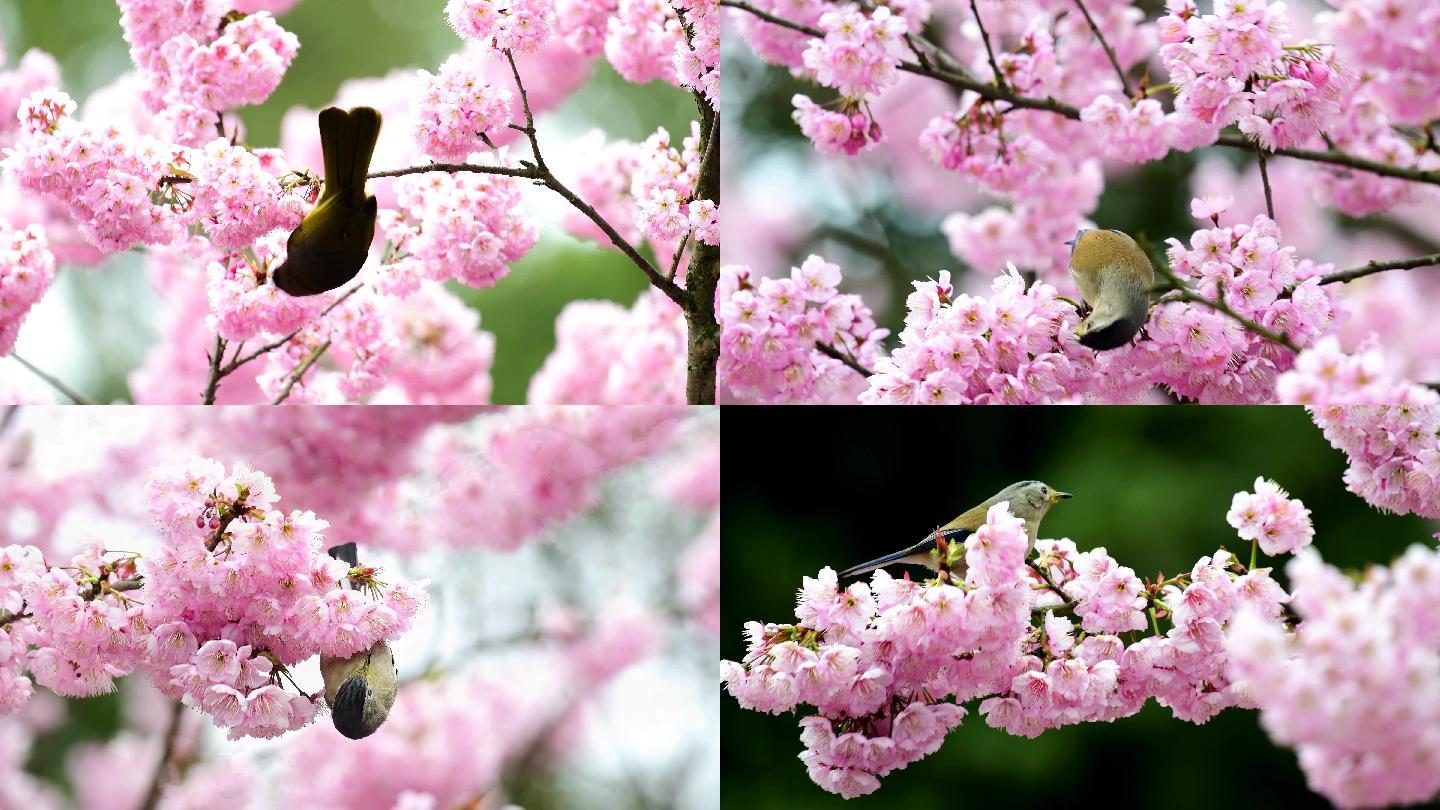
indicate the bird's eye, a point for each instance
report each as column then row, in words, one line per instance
column 1044, row 492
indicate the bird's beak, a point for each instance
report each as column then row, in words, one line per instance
column 1060, row 496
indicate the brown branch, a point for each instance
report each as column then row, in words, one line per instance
column 1184, row 293
column 1109, row 52
column 702, row 277
column 167, row 757
column 989, row 53
column 1265, row 181
column 504, row 171
column 54, row 383
column 220, row 370
column 300, row 372
column 1370, row 269
column 844, row 357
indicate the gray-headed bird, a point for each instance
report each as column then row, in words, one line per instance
column 1115, row 277
column 330, row 245
column 360, row 689
column 1029, row 501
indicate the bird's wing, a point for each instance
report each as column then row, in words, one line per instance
column 917, row 550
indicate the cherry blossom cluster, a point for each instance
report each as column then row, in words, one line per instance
column 1017, row 346
column 521, row 26
column 1365, row 735
column 1324, row 374
column 664, row 190
column 464, row 226
column 1393, row 453
column 606, row 354
column 36, row 71
column 533, row 470
column 197, row 61
column 1269, row 516
column 459, row 108
column 770, row 328
column 880, row 662
column 105, row 182
column 241, row 590
column 1233, row 66
column 26, row 269
column 238, row 195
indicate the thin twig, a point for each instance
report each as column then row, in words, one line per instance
column 1265, row 181
column 1371, row 268
column 844, row 357
column 1050, row 583
column 167, row 756
column 1110, row 52
column 990, row 91
column 1184, row 293
column 300, row 372
column 219, row 372
column 54, row 383
column 506, row 171
column 680, row 251
column 989, row 53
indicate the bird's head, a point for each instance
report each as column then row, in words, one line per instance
column 1030, row 500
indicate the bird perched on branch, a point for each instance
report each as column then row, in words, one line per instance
column 1029, row 501
column 1115, row 277
column 360, row 689
column 330, row 245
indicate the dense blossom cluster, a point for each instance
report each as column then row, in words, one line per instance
column 26, row 269
column 770, row 328
column 459, row 108
column 464, row 226
column 1058, row 101
column 1018, row 345
column 664, row 190
column 521, row 26
column 881, row 662
column 197, row 62
column 1269, row 516
column 1394, row 453
column 242, row 589
column 606, row 354
column 238, row 591
column 1365, row 735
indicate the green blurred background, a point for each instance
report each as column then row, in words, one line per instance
column 113, row 306
column 839, row 486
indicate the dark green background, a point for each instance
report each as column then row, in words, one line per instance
column 806, row 488
column 340, row 40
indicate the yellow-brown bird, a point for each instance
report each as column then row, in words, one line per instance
column 1115, row 277
column 1029, row 501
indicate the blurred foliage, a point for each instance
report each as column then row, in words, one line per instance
column 839, row 486
column 341, row 40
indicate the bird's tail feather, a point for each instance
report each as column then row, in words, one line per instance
column 347, row 140
column 879, row 562
column 919, row 551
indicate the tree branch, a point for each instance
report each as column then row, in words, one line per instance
column 220, row 370
column 1265, row 181
column 1109, row 52
column 54, row 383
column 844, row 357
column 702, row 277
column 167, row 757
column 300, row 372
column 1177, row 286
column 504, row 171
column 989, row 53
column 1371, row 268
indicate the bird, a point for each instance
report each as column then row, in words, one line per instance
column 360, row 690
column 1115, row 277
column 331, row 243
column 1029, row 501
